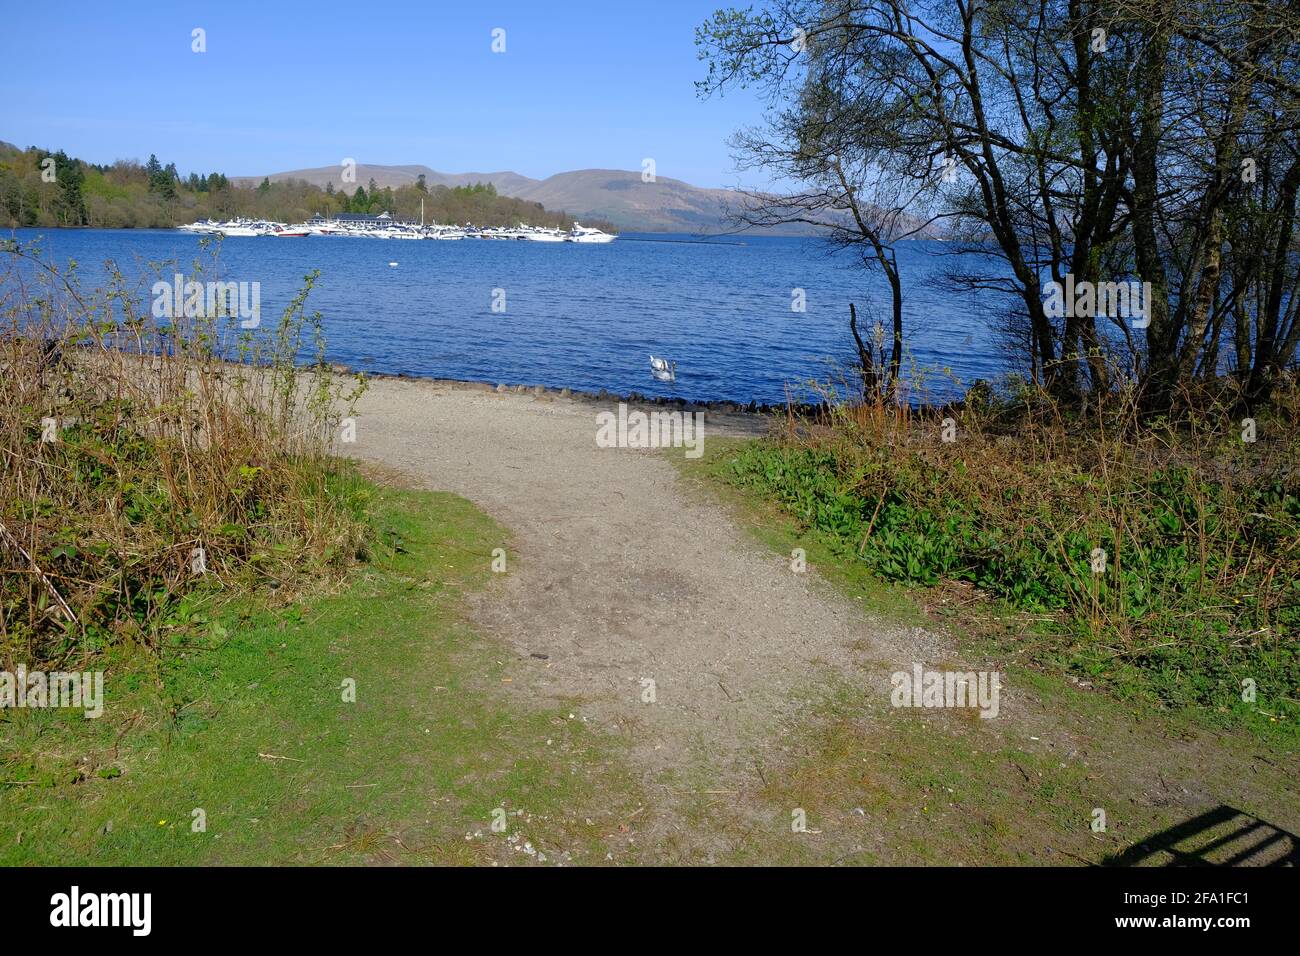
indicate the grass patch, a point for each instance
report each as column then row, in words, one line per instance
column 433, row 744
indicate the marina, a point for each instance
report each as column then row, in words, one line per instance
column 384, row 226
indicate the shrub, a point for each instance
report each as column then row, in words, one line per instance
column 172, row 436
column 1200, row 581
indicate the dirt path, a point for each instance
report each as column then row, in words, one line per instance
column 618, row 577
column 618, row 574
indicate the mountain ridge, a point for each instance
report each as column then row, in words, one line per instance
column 614, row 195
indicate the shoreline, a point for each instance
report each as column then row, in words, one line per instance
column 733, row 417
column 718, row 406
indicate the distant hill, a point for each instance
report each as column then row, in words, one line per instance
column 665, row 205
column 617, row 196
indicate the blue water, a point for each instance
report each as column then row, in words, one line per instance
column 586, row 316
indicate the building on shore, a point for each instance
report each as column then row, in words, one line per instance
column 356, row 219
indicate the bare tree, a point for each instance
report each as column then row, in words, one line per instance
column 1096, row 140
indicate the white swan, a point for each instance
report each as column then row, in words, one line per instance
column 663, row 369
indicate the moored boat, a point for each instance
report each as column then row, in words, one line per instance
column 383, row 226
column 583, row 233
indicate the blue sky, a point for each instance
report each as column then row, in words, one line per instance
column 285, row 85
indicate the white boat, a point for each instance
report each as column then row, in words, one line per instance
column 382, row 227
column 318, row 225
column 582, row 233
column 499, row 232
column 545, row 235
column 246, row 227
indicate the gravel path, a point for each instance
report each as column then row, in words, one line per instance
column 618, row 576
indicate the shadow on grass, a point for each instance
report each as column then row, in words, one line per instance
column 1224, row 836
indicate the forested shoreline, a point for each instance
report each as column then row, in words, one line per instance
column 44, row 188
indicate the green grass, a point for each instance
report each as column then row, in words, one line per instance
column 436, row 740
